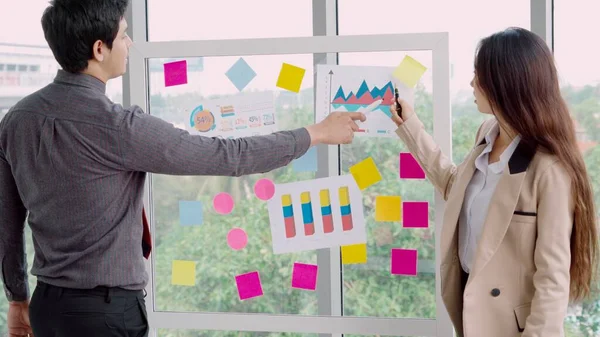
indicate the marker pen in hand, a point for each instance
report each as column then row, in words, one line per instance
column 398, row 106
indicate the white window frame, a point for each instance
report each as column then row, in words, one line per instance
column 325, row 46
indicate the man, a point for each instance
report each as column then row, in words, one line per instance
column 75, row 164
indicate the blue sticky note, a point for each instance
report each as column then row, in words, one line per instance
column 190, row 213
column 240, row 74
column 306, row 163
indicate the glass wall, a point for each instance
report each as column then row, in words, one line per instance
column 577, row 51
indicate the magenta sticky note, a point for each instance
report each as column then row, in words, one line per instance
column 249, row 285
column 404, row 262
column 237, row 239
column 409, row 167
column 304, row 276
column 223, row 203
column 175, row 73
column 264, row 189
column 415, row 214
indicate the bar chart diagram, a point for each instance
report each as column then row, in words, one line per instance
column 320, row 213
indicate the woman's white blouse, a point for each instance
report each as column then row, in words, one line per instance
column 477, row 197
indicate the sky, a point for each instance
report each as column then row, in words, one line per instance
column 577, row 46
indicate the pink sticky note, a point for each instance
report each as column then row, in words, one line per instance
column 237, row 239
column 415, row 214
column 404, row 262
column 175, row 73
column 249, row 285
column 304, row 276
column 264, row 189
column 223, row 203
column 409, row 167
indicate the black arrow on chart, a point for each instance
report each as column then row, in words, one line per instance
column 330, row 84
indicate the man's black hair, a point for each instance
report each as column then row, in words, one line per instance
column 71, row 28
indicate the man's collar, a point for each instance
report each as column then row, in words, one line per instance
column 80, row 79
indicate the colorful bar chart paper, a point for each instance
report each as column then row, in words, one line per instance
column 315, row 214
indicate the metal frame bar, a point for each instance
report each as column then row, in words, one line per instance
column 542, row 20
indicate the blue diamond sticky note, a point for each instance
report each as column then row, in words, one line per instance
column 190, row 213
column 306, row 163
column 240, row 74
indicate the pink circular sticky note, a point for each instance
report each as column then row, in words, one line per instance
column 237, row 239
column 264, row 189
column 223, row 203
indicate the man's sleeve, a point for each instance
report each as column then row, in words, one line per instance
column 12, row 238
column 150, row 144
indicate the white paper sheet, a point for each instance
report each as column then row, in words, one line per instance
column 247, row 114
column 354, row 88
column 320, row 239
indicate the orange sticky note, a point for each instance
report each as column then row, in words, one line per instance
column 290, row 77
column 409, row 71
column 388, row 208
column 183, row 273
column 365, row 173
column 354, row 254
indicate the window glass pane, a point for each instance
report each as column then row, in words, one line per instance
column 464, row 30
column 216, row 265
column 417, row 17
column 370, row 289
column 171, row 20
column 577, row 51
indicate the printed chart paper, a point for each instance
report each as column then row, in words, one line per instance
column 246, row 114
column 358, row 88
column 315, row 214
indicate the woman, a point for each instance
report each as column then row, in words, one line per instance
column 519, row 238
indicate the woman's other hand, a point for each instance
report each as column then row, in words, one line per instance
column 407, row 112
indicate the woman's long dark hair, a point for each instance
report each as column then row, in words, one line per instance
column 515, row 70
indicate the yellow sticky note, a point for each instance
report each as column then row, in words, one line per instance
column 290, row 77
column 365, row 173
column 388, row 208
column 354, row 254
column 409, row 71
column 184, row 273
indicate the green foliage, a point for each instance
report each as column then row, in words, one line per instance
column 368, row 290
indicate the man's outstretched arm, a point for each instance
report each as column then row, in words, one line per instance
column 150, row 144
